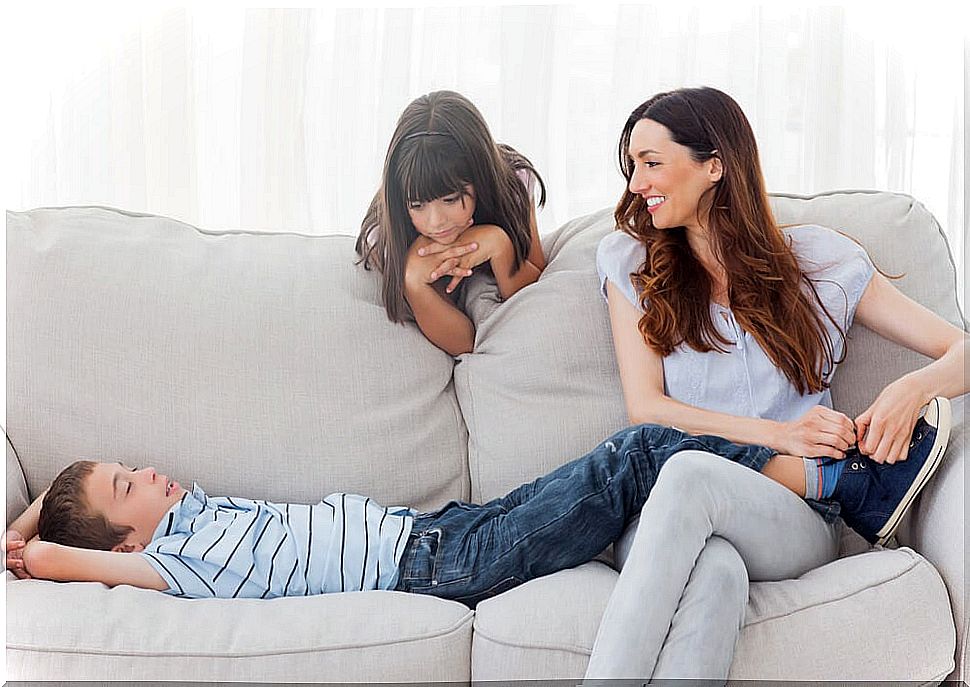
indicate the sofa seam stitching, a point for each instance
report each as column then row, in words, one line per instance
column 915, row 562
column 572, row 648
column 462, row 622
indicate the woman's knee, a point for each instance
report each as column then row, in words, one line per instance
column 724, row 571
column 687, row 476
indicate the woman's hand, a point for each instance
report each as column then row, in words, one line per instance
column 488, row 240
column 819, row 432
column 13, row 546
column 884, row 429
column 427, row 261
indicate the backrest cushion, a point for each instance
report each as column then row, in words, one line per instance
column 259, row 365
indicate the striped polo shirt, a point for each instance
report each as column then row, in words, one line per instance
column 232, row 547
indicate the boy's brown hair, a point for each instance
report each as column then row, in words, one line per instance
column 66, row 518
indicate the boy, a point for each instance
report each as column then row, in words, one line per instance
column 108, row 523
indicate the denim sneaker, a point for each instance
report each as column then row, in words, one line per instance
column 873, row 496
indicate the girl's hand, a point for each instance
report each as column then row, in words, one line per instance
column 427, row 261
column 819, row 432
column 13, row 547
column 884, row 429
column 489, row 240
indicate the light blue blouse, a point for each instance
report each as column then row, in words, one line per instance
column 744, row 381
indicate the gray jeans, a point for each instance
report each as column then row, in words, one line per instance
column 708, row 526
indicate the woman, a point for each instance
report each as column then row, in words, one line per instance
column 726, row 324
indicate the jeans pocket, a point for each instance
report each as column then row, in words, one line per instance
column 420, row 569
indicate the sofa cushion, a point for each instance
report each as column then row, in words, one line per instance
column 260, row 365
column 17, row 498
column 131, row 634
column 937, row 528
column 902, row 238
column 881, row 615
column 542, row 387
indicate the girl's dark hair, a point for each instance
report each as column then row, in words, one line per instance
column 66, row 518
column 441, row 144
column 767, row 289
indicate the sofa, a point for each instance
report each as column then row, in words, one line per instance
column 264, row 365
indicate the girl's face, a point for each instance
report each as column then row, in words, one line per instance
column 444, row 219
column 668, row 178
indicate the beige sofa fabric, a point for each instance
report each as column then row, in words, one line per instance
column 541, row 386
column 937, row 528
column 133, row 634
column 876, row 616
column 16, row 495
column 259, row 365
column 870, row 617
column 543, row 629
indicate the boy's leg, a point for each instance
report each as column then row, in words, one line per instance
column 699, row 496
column 565, row 518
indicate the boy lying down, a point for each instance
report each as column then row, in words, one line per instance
column 108, row 523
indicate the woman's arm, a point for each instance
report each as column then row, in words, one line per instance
column 821, row 432
column 884, row 428
column 49, row 561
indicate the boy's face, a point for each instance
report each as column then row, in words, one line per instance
column 135, row 498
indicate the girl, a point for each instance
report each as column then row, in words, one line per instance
column 726, row 324
column 450, row 199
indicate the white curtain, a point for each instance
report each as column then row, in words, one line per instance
column 278, row 119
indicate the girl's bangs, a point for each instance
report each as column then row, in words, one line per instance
column 428, row 171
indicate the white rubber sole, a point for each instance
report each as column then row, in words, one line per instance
column 937, row 415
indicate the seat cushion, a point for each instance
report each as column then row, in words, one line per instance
column 131, row 634
column 881, row 615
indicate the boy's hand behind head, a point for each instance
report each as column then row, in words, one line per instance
column 13, row 546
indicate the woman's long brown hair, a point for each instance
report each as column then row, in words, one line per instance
column 441, row 144
column 769, row 294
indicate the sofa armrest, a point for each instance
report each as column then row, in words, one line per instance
column 17, row 496
column 936, row 529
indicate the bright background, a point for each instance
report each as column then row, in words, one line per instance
column 278, row 119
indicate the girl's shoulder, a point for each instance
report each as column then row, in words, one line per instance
column 618, row 255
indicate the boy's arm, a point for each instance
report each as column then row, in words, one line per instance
column 18, row 533
column 50, row 561
column 26, row 523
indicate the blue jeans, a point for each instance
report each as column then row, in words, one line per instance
column 469, row 553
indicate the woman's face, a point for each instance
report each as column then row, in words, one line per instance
column 444, row 219
column 665, row 175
